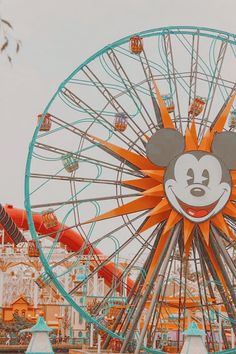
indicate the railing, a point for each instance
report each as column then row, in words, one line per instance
column 228, row 351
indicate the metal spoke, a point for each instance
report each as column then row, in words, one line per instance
column 139, row 309
column 88, row 159
column 79, row 179
column 98, row 117
column 91, row 245
column 218, row 241
column 227, row 303
column 194, row 68
column 158, row 286
column 170, row 61
column 80, row 201
column 113, row 100
column 159, row 305
column 213, row 87
column 88, row 137
column 102, row 263
column 133, row 295
column 206, row 302
column 128, row 268
column 131, row 88
column 149, row 78
column 232, row 89
column 134, row 300
column 200, row 291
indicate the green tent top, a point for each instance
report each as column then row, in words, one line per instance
column 193, row 330
column 40, row 326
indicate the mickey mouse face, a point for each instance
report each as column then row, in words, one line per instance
column 197, row 183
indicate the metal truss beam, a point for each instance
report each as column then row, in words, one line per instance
column 130, row 87
column 149, row 78
column 213, row 87
column 171, row 69
column 97, row 116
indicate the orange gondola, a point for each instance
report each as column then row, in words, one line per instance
column 120, row 123
column 33, row 250
column 197, row 106
column 47, row 122
column 136, row 45
column 49, row 219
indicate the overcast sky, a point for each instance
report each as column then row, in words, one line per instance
column 57, row 36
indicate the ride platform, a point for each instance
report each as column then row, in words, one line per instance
column 57, row 348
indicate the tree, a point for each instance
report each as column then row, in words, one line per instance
column 8, row 43
column 20, row 322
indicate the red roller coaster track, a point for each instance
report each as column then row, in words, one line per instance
column 68, row 237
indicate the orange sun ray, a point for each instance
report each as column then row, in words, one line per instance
column 193, row 131
column 173, row 219
column 191, row 142
column 161, row 244
column 230, row 209
column 220, row 223
column 136, row 205
column 205, row 230
column 233, row 176
column 141, row 183
column 157, row 191
column 218, row 126
column 187, row 246
column 233, row 194
column 188, row 228
column 163, row 205
column 154, row 220
column 220, row 123
column 135, row 159
column 166, row 118
column 155, row 174
column 215, row 263
column 206, row 142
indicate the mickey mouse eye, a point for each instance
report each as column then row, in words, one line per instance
column 190, row 176
column 205, row 177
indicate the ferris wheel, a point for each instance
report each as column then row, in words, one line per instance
column 134, row 154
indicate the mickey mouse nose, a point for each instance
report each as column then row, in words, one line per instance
column 197, row 192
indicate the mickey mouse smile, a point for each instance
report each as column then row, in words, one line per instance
column 197, row 212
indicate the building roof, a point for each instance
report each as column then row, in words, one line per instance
column 193, row 330
column 40, row 326
column 20, row 299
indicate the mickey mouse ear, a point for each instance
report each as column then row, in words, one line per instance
column 224, row 147
column 164, row 145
